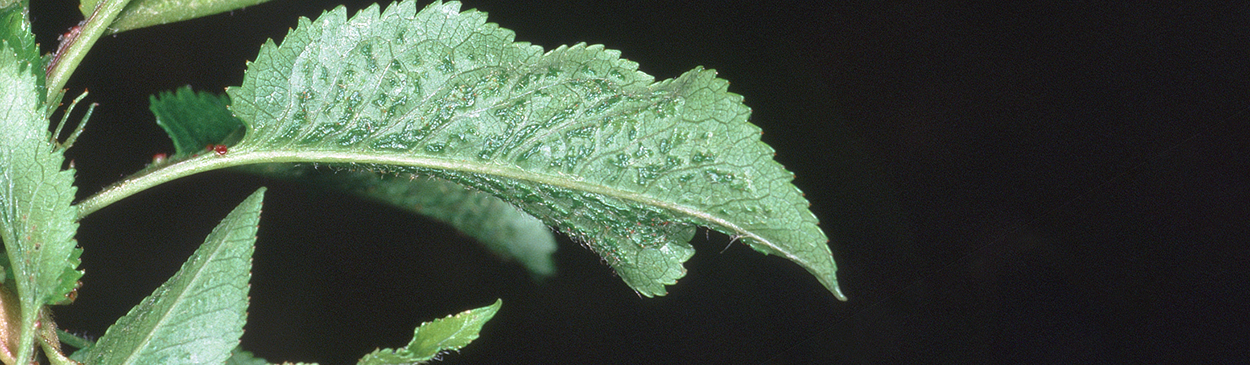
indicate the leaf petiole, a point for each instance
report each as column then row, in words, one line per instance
column 78, row 41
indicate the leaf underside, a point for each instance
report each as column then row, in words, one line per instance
column 197, row 316
column 195, row 119
column 37, row 222
column 575, row 136
column 501, row 227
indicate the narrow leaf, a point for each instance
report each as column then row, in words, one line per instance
column 73, row 340
column 37, row 222
column 450, row 333
column 197, row 316
column 576, row 136
column 195, row 119
column 146, row 13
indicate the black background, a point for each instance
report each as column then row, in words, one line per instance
column 1033, row 182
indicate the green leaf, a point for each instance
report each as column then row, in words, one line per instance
column 450, row 333
column 240, row 357
column 576, row 136
column 499, row 226
column 73, row 340
column 15, row 31
column 195, row 119
column 37, row 222
column 197, row 316
column 146, row 13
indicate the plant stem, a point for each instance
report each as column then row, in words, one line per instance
column 73, row 340
column 49, row 340
column 142, row 181
column 204, row 162
column 79, row 40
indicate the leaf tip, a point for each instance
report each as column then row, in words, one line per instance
column 832, row 285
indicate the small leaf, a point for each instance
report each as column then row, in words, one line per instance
column 450, row 333
column 37, row 222
column 195, row 119
column 575, row 136
column 197, row 316
column 146, row 13
column 240, row 357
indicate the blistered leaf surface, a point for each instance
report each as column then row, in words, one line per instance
column 196, row 119
column 450, row 333
column 575, row 136
column 197, row 316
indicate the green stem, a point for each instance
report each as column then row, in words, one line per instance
column 204, row 162
column 75, row 47
column 26, row 340
column 209, row 161
column 73, row 340
column 143, row 181
column 50, row 341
